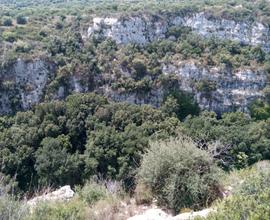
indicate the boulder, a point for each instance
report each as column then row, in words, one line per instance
column 152, row 214
column 65, row 193
column 191, row 215
column 158, row 214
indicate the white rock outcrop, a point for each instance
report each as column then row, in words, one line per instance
column 152, row 214
column 158, row 214
column 23, row 84
column 232, row 90
column 191, row 215
column 65, row 193
column 143, row 28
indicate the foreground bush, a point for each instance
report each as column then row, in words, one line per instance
column 92, row 192
column 240, row 207
column 251, row 195
column 11, row 209
column 103, row 199
column 180, row 175
column 72, row 210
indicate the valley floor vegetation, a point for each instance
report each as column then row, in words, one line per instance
column 87, row 138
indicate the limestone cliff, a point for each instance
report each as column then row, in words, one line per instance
column 25, row 83
column 142, row 29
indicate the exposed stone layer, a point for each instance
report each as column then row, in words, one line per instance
column 23, row 84
column 224, row 90
column 142, row 29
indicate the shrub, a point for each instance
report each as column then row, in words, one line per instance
column 143, row 194
column 181, row 104
column 179, row 174
column 92, row 192
column 10, row 208
column 107, row 208
column 72, row 210
column 103, row 197
column 9, row 36
column 22, row 47
column 251, row 195
column 59, row 25
column 54, row 164
column 21, row 20
column 7, row 22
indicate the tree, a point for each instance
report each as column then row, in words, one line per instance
column 54, row 164
column 182, row 103
column 21, row 20
column 7, row 22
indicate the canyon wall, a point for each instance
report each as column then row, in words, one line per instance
column 24, row 83
column 145, row 28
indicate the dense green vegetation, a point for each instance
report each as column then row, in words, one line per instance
column 250, row 198
column 180, row 175
column 86, row 138
column 68, row 142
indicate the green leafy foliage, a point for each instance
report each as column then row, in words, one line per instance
column 21, row 20
column 245, row 142
column 67, row 142
column 7, row 22
column 179, row 174
column 250, row 198
column 54, row 165
column 74, row 209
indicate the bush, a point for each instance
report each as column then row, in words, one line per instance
column 251, row 195
column 21, row 20
column 107, row 208
column 92, row 192
column 180, row 104
column 9, row 36
column 71, row 210
column 54, row 164
column 143, row 194
column 10, row 208
column 179, row 174
column 7, row 22
column 103, row 198
column 59, row 25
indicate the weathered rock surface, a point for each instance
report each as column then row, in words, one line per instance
column 158, row 214
column 143, row 28
column 23, row 84
column 191, row 215
column 224, row 90
column 152, row 214
column 65, row 193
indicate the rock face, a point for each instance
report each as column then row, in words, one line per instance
column 217, row 89
column 152, row 214
column 214, row 88
column 142, row 29
column 65, row 193
column 23, row 84
column 158, row 214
